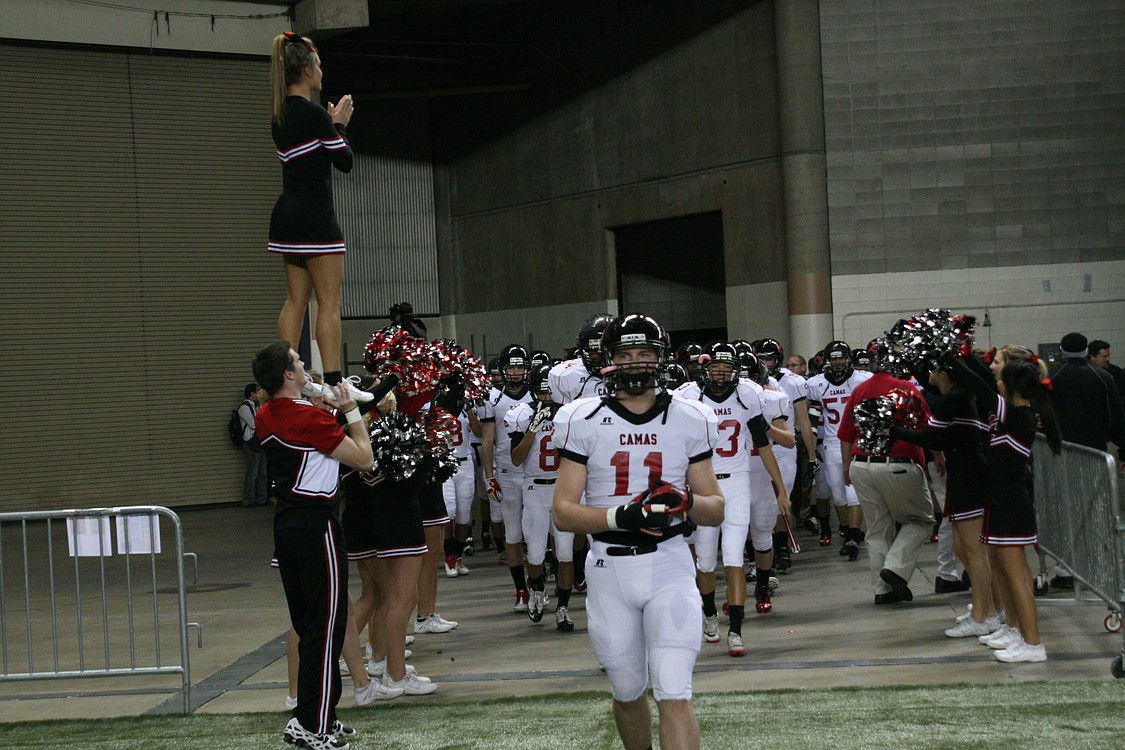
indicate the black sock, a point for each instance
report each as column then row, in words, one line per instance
column 763, row 582
column 709, row 604
column 453, row 547
column 780, row 539
column 564, row 597
column 333, row 377
column 736, row 611
column 536, row 583
column 825, row 525
column 518, row 577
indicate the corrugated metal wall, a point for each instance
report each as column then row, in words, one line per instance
column 135, row 192
column 386, row 209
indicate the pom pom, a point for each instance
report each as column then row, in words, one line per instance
column 440, row 427
column 924, row 338
column 422, row 365
column 399, row 445
column 874, row 418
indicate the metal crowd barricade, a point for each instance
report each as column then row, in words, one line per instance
column 98, row 613
column 1078, row 506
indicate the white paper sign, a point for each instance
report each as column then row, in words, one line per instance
column 138, row 535
column 82, row 536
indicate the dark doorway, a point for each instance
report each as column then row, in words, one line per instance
column 673, row 270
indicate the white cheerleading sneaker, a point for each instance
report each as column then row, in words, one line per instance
column 1005, row 637
column 375, row 691
column 1021, row 652
column 432, row 624
column 410, row 684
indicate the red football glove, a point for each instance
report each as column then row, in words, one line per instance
column 493, row 490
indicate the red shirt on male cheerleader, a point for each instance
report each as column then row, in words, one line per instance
column 881, row 384
column 298, row 439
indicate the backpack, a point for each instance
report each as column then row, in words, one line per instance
column 234, row 427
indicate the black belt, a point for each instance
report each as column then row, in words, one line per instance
column 462, row 459
column 640, row 549
column 543, row 481
column 722, row 476
column 884, row 460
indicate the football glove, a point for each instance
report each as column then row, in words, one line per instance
column 542, row 416
column 495, row 494
column 654, row 509
column 814, row 466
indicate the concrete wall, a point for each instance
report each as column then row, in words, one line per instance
column 975, row 154
column 692, row 130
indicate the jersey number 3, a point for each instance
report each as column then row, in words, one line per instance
column 654, row 462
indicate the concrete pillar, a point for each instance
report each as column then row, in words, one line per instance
column 801, row 113
column 321, row 19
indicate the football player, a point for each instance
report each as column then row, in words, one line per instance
column 738, row 411
column 503, row 479
column 581, row 377
column 832, row 389
column 530, row 428
column 687, row 357
column 459, row 491
column 771, row 354
column 632, row 454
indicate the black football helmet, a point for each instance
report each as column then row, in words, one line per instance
column 494, row 373
column 861, row 360
column 687, row 356
column 537, row 379
column 770, row 354
column 540, row 357
column 673, row 377
column 630, row 331
column 514, row 363
column 715, row 355
column 837, row 361
column 751, row 368
column 589, row 345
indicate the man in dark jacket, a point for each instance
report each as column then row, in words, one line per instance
column 1086, row 399
column 1097, row 354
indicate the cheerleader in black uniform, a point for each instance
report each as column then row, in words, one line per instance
column 1023, row 401
column 303, row 228
column 955, row 429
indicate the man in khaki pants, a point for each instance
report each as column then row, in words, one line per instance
column 892, row 489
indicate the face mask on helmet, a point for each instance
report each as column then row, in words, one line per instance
column 514, row 362
column 770, row 354
column 635, row 347
column 590, row 342
column 719, row 365
column 538, row 383
column 838, row 360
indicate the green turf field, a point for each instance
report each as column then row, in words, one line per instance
column 1047, row 716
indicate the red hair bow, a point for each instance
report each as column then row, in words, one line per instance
column 990, row 355
column 1046, row 383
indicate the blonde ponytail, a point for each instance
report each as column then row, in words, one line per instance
column 290, row 55
column 277, row 78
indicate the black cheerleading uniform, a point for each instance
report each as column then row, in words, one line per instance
column 381, row 518
column 1009, row 518
column 309, row 144
column 955, row 429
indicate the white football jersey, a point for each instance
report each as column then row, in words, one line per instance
column 832, row 399
column 495, row 408
column 542, row 460
column 622, row 451
column 795, row 387
column 732, row 439
column 462, row 432
column 570, row 381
